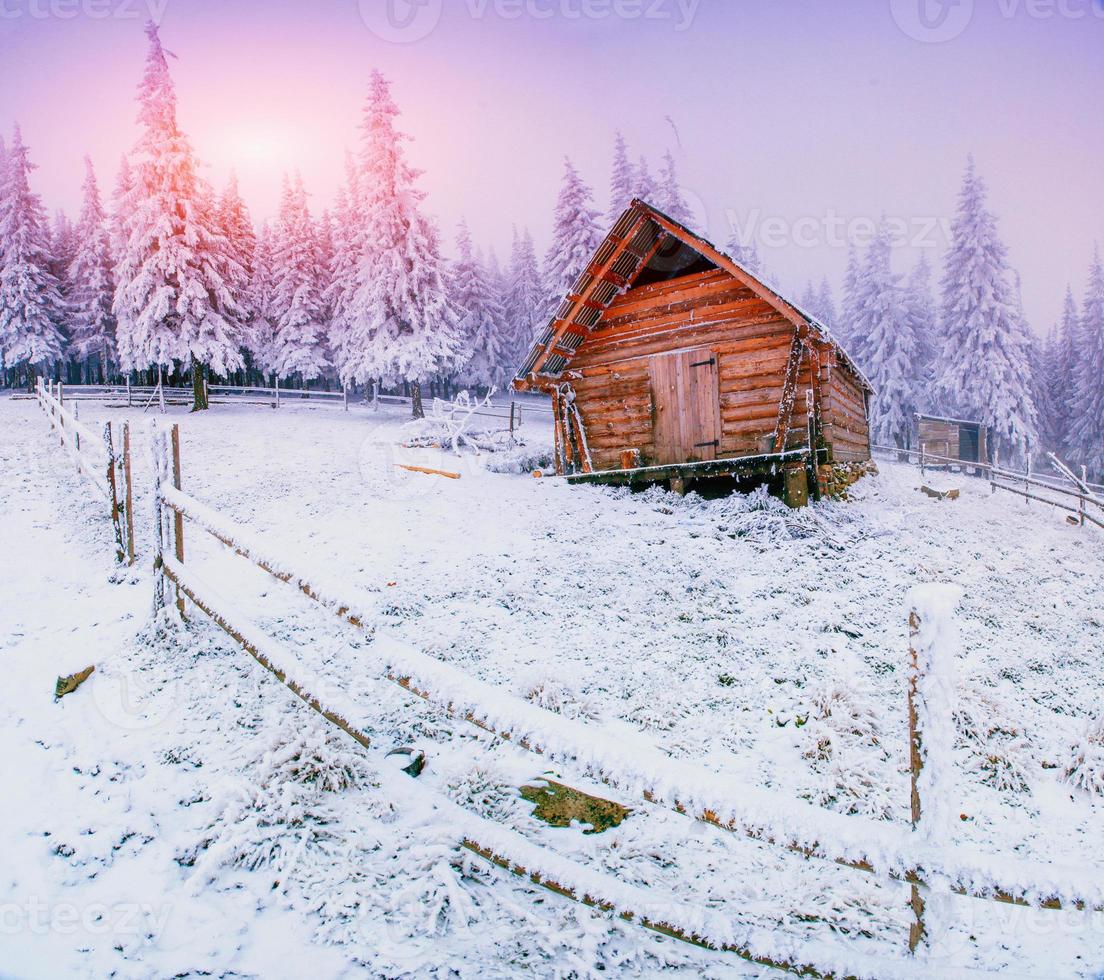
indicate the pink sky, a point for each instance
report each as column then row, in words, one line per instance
column 800, row 119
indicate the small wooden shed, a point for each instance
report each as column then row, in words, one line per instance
column 670, row 361
column 953, row 438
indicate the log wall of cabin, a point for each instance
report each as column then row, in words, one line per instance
column 713, row 311
column 845, row 421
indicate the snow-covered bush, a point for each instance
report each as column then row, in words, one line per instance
column 451, row 425
column 842, row 744
column 486, row 789
column 999, row 749
column 553, row 694
column 1085, row 766
column 280, row 808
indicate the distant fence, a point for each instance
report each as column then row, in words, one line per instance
column 105, row 468
column 890, row 851
column 1089, row 497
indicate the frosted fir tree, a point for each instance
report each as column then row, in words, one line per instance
column 526, row 302
column 172, row 300
column 482, row 320
column 1061, row 367
column 922, row 319
column 342, row 278
column 575, row 235
column 671, row 200
column 261, row 334
column 118, row 224
column 31, row 307
column 92, row 287
column 844, row 330
column 299, row 347
column 886, row 345
column 985, row 366
column 402, row 325
column 236, row 226
column 826, row 304
column 622, row 180
column 744, row 253
column 1087, row 423
column 644, row 185
column 63, row 248
column 809, row 299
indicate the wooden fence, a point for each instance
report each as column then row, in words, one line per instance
column 1084, row 501
column 103, row 465
column 875, row 847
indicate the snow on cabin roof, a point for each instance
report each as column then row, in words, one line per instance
column 624, row 254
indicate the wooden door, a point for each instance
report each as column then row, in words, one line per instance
column 687, row 408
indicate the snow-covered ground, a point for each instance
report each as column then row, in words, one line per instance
column 182, row 813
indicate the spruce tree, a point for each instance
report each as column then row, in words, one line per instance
column 172, row 300
column 885, row 345
column 299, row 347
column 671, row 200
column 826, row 304
column 93, row 289
column 575, row 235
column 644, row 185
column 921, row 318
column 985, row 370
column 342, row 273
column 1088, row 420
column 31, row 307
column 261, row 336
column 744, row 254
column 526, row 301
column 482, row 320
column 845, row 330
column 236, row 226
column 402, row 326
column 1062, row 368
column 622, row 181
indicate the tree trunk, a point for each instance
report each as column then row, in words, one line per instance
column 199, row 387
column 416, row 400
column 30, row 379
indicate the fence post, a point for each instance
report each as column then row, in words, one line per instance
column 76, row 432
column 277, row 391
column 916, row 765
column 345, row 396
column 1081, row 498
column 128, row 390
column 178, row 519
column 128, row 487
column 112, row 486
column 60, row 393
column 157, row 449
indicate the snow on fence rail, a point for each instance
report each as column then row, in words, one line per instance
column 876, row 847
column 97, row 461
column 1086, row 494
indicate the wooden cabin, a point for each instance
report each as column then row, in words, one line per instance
column 669, row 361
column 953, row 438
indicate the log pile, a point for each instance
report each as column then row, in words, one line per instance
column 837, row 478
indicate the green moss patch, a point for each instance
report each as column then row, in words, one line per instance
column 559, row 805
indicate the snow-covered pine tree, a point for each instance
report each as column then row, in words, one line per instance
column 886, row 347
column 671, row 200
column 622, row 180
column 299, row 349
column 922, row 318
column 744, row 254
column 482, row 319
column 1062, row 356
column 985, row 370
column 644, row 185
column 526, row 301
column 1088, row 419
column 342, row 272
column 260, row 338
column 844, row 330
column 403, row 327
column 92, row 287
column 118, row 225
column 31, row 307
column 575, row 235
column 172, row 301
column 241, row 240
column 809, row 299
column 826, row 304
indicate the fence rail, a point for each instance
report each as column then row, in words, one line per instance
column 106, row 469
column 891, row 852
column 1001, row 478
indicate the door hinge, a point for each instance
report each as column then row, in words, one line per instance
column 711, row 360
column 714, row 444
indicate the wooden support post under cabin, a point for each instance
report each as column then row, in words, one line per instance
column 916, row 764
column 678, row 485
column 129, row 493
column 796, row 490
column 178, row 518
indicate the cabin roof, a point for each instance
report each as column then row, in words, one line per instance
column 940, row 418
column 645, row 245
